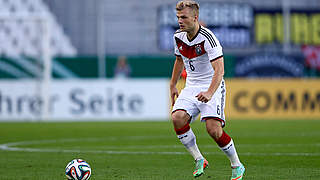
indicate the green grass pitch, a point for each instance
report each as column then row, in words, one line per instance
column 270, row 150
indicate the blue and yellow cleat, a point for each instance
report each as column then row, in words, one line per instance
column 238, row 172
column 201, row 165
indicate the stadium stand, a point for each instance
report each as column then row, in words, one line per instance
column 19, row 35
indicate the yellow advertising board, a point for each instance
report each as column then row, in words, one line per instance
column 273, row 99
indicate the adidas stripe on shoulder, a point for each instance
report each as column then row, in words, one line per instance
column 209, row 37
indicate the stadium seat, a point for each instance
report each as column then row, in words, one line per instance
column 21, row 37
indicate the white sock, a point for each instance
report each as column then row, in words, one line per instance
column 188, row 139
column 231, row 153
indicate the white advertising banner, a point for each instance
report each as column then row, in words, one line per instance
column 73, row 100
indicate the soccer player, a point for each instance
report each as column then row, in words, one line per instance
column 198, row 50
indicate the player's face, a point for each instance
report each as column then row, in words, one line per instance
column 186, row 20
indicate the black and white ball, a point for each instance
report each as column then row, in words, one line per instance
column 78, row 169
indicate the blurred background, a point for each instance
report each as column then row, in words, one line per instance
column 112, row 60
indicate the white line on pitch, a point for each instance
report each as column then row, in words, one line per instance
column 11, row 147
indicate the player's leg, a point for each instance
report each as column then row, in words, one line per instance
column 183, row 114
column 180, row 120
column 225, row 142
column 185, row 134
column 212, row 113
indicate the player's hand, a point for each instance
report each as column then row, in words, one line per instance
column 204, row 96
column 173, row 93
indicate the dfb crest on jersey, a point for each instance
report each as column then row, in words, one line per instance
column 198, row 49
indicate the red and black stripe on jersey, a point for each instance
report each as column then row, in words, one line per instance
column 190, row 51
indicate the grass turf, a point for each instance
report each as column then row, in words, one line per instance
column 150, row 150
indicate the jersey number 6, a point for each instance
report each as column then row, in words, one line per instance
column 191, row 66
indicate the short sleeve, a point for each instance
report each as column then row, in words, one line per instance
column 176, row 50
column 213, row 47
column 214, row 53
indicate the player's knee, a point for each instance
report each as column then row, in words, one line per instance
column 179, row 117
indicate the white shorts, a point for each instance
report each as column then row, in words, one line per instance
column 189, row 103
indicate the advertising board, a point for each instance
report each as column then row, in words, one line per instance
column 273, row 99
column 241, row 25
column 86, row 100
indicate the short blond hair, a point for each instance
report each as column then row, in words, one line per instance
column 190, row 4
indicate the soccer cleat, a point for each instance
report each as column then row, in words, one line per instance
column 200, row 166
column 238, row 172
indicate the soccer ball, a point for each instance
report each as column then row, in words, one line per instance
column 78, row 169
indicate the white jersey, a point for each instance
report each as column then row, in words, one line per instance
column 197, row 55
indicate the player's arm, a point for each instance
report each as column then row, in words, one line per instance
column 176, row 73
column 218, row 67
